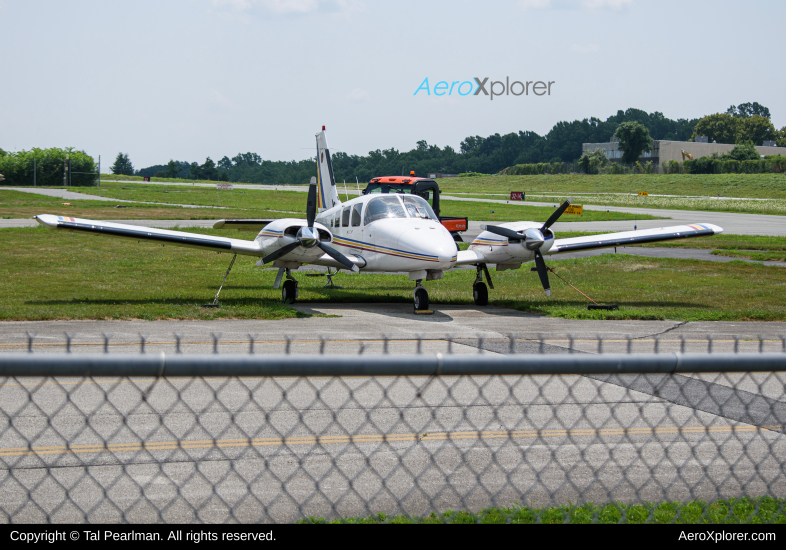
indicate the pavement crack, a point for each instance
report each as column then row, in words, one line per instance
column 678, row 325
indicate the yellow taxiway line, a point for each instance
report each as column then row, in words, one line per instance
column 207, row 444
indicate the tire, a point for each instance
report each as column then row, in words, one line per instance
column 289, row 292
column 421, row 299
column 481, row 294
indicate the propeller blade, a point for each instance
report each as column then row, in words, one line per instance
column 311, row 204
column 557, row 213
column 503, row 231
column 338, row 256
column 280, row 252
column 542, row 272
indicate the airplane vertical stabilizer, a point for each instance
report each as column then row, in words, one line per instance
column 327, row 194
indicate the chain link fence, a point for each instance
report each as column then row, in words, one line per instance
column 104, row 430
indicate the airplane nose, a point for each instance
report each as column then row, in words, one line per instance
column 429, row 244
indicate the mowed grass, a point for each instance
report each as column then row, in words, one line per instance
column 735, row 511
column 59, row 275
column 521, row 212
column 18, row 204
column 253, row 199
column 764, row 186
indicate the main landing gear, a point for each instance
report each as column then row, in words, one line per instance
column 421, row 297
column 480, row 292
column 289, row 291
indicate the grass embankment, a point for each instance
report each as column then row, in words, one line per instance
column 763, row 186
column 775, row 207
column 59, row 275
column 746, row 510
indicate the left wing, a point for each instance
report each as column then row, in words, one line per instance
column 140, row 233
column 629, row 238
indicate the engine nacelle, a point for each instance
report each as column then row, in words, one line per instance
column 280, row 233
column 511, row 253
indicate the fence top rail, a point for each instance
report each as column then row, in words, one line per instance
column 281, row 365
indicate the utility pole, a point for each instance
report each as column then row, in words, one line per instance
column 99, row 170
column 34, row 172
column 65, row 174
column 68, row 157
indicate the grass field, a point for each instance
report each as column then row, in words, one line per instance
column 756, row 511
column 57, row 275
column 764, row 186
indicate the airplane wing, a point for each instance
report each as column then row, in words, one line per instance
column 162, row 236
column 630, row 238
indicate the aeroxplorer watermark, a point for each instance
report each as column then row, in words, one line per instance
column 490, row 89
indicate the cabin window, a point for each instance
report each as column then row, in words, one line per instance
column 338, row 218
column 345, row 216
column 417, row 207
column 384, row 207
column 356, row 214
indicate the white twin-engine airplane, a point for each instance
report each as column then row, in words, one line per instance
column 382, row 233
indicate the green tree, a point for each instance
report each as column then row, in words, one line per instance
column 743, row 151
column 720, row 127
column 634, row 140
column 172, row 169
column 755, row 128
column 593, row 161
column 745, row 110
column 208, row 170
column 781, row 137
column 123, row 165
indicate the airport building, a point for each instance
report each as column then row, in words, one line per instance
column 663, row 150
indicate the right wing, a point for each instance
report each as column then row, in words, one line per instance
column 631, row 238
column 140, row 233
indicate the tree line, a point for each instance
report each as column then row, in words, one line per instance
column 487, row 155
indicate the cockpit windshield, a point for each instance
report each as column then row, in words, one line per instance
column 417, row 207
column 388, row 188
column 383, row 207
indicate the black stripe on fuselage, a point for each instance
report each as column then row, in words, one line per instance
column 144, row 235
column 633, row 240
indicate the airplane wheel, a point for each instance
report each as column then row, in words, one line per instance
column 421, row 299
column 481, row 294
column 289, row 292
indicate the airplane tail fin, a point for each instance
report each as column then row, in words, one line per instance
column 327, row 194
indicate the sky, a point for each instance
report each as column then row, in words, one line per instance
column 188, row 79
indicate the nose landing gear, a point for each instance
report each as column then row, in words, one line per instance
column 289, row 290
column 480, row 292
column 421, row 297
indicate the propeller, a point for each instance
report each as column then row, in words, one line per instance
column 308, row 237
column 533, row 240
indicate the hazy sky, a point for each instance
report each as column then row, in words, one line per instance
column 187, row 79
